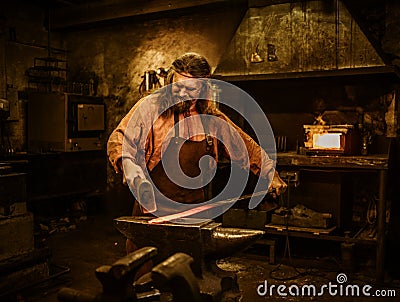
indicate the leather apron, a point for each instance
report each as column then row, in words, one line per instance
column 190, row 152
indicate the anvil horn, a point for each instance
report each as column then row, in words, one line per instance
column 226, row 241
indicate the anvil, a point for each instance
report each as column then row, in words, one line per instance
column 204, row 241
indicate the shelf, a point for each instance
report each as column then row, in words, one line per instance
column 48, row 68
column 369, row 162
column 47, row 72
column 47, row 80
column 390, row 73
column 313, row 233
column 50, row 59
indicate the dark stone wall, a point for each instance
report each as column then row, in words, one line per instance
column 118, row 55
column 23, row 37
column 115, row 56
column 391, row 37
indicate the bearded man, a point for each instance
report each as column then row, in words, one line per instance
column 181, row 130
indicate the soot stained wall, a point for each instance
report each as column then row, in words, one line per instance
column 120, row 54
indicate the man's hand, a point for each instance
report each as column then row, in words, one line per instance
column 278, row 186
column 131, row 171
column 134, row 177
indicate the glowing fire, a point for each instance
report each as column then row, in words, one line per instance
column 326, row 141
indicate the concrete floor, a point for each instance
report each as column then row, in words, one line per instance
column 95, row 242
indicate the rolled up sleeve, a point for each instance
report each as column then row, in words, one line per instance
column 258, row 161
column 124, row 131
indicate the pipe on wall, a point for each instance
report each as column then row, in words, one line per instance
column 3, row 70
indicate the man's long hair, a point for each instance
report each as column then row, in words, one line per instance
column 197, row 67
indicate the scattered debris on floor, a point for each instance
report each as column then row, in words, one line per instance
column 46, row 226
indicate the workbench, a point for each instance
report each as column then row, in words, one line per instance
column 55, row 175
column 377, row 163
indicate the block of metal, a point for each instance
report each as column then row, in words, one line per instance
column 300, row 216
column 245, row 218
column 305, row 222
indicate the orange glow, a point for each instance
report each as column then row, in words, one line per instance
column 326, row 141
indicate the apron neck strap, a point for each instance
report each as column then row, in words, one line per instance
column 176, row 123
column 204, row 121
column 206, row 126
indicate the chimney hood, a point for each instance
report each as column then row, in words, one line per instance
column 299, row 40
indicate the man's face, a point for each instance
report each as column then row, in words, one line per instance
column 186, row 90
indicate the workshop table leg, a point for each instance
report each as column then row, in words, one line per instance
column 380, row 248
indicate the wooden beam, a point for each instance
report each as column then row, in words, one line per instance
column 387, row 73
column 74, row 16
column 258, row 3
column 3, row 75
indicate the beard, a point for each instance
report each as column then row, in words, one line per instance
column 182, row 105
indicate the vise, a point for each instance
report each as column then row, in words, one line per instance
column 117, row 281
column 173, row 276
column 205, row 241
